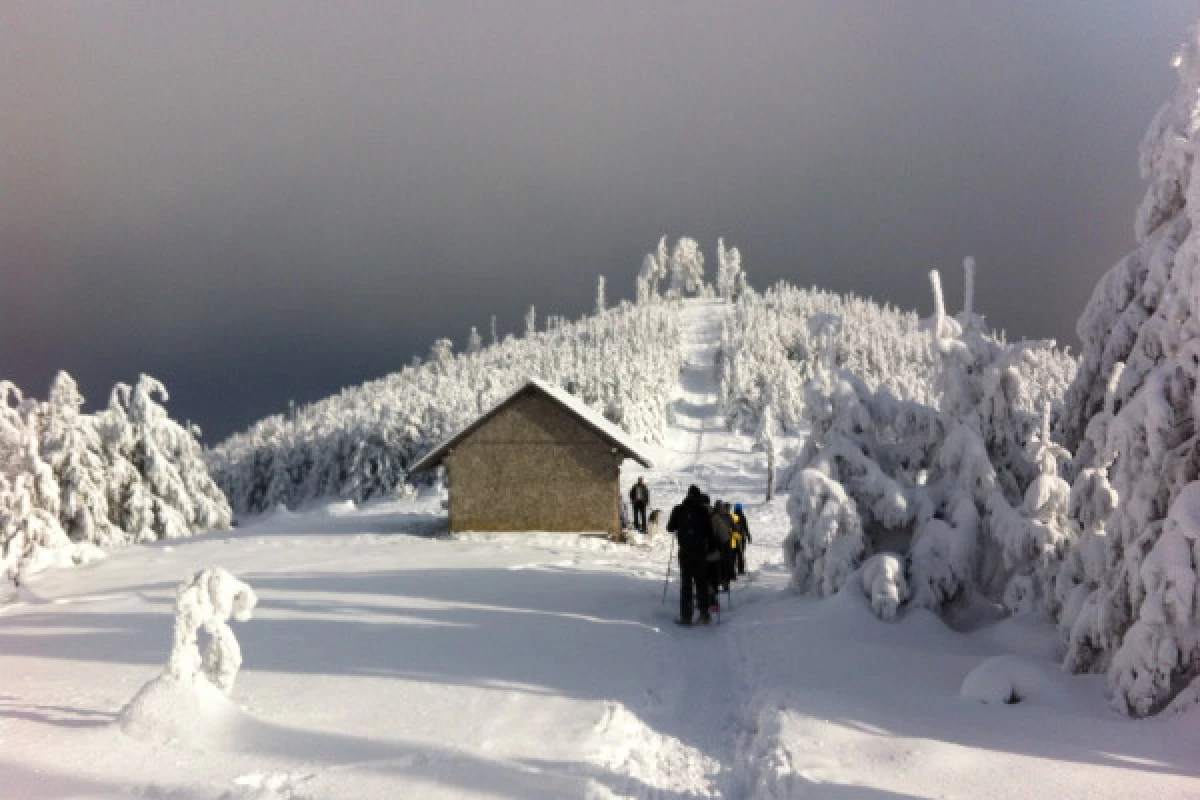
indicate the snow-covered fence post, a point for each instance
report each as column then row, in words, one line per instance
column 968, row 288
column 939, row 305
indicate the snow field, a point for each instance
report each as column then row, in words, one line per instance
column 385, row 659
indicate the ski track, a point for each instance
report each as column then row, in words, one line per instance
column 695, row 727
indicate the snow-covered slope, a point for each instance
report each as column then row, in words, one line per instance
column 359, row 443
column 386, row 660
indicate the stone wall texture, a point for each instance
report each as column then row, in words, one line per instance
column 534, row 466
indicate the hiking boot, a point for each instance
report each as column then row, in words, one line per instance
column 705, row 619
column 684, row 622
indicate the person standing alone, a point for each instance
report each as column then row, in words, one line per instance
column 639, row 498
column 692, row 526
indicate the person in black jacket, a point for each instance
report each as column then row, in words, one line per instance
column 692, row 526
column 639, row 498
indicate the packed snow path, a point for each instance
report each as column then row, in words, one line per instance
column 386, row 662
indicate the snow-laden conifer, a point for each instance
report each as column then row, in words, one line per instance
column 1128, row 587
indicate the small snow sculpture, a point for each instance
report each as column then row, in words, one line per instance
column 207, row 601
column 884, row 585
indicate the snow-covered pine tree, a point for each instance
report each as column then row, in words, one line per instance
column 687, row 267
column 474, row 341
column 1133, row 420
column 730, row 279
column 441, row 352
column 73, row 449
column 947, row 483
column 601, row 300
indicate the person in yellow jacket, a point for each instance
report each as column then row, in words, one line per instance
column 741, row 537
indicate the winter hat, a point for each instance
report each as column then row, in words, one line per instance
column 737, row 507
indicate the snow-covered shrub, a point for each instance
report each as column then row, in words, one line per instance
column 357, row 444
column 932, row 450
column 189, row 701
column 1129, row 599
column 780, row 339
column 72, row 482
column 207, row 601
column 826, row 542
column 1006, row 680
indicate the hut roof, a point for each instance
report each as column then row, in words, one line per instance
column 618, row 438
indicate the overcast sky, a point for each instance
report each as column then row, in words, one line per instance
column 256, row 202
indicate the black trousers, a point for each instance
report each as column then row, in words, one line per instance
column 694, row 586
column 639, row 516
column 740, row 557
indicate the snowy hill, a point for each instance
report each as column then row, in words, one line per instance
column 359, row 443
column 386, row 660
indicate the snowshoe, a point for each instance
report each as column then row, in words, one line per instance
column 706, row 620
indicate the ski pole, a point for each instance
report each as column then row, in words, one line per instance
column 667, row 580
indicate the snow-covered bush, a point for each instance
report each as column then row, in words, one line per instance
column 778, row 341
column 358, row 443
column 71, row 482
column 188, row 701
column 931, row 453
column 826, row 542
column 1128, row 589
column 1008, row 679
column 207, row 601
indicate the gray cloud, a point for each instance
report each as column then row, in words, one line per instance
column 262, row 202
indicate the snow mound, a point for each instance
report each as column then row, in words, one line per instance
column 1010, row 680
column 650, row 759
column 884, row 585
column 170, row 710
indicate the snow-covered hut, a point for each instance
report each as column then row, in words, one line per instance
column 539, row 460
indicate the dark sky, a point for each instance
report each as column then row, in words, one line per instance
column 257, row 202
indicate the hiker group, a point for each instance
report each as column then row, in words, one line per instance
column 712, row 552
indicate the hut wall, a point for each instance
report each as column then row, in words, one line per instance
column 534, row 466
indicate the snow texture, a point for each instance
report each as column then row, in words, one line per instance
column 396, row 663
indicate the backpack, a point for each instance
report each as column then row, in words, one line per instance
column 693, row 533
column 722, row 528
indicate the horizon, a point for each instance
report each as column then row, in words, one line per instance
column 302, row 201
